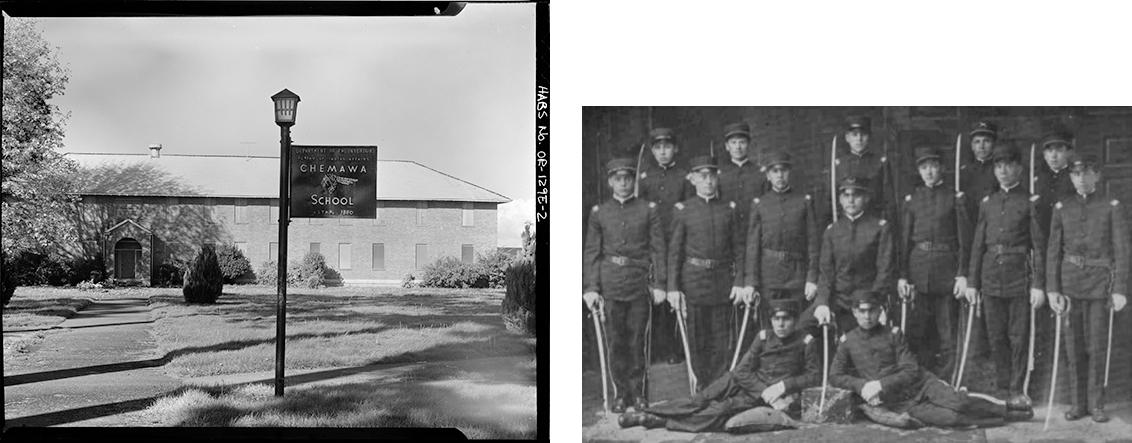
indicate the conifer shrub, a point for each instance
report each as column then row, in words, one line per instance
column 203, row 280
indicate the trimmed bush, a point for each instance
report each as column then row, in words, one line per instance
column 495, row 265
column 34, row 269
column 233, row 264
column 296, row 272
column 204, row 280
column 312, row 273
column 170, row 275
column 450, row 272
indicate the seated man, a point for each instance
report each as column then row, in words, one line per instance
column 876, row 363
column 774, row 370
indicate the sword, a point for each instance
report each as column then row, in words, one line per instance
column 739, row 344
column 1111, row 315
column 824, row 367
column 1056, row 352
column 1030, row 360
column 966, row 345
column 601, row 359
column 1033, row 146
column 687, row 351
column 637, row 181
column 958, row 155
column 833, row 177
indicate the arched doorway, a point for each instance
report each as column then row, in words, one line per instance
column 127, row 254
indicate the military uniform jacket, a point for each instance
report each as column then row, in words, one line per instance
column 741, row 184
column 794, row 360
column 782, row 241
column 702, row 230
column 936, row 234
column 630, row 230
column 875, row 167
column 1095, row 229
column 1052, row 187
column 1009, row 245
column 665, row 187
column 856, row 254
column 977, row 180
column 878, row 354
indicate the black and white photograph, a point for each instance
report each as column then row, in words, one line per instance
column 272, row 218
column 855, row 273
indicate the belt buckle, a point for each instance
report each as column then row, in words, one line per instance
column 619, row 261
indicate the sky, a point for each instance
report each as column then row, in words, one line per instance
column 453, row 93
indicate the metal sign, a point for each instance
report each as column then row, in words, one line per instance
column 333, row 181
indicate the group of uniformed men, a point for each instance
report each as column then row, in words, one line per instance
column 706, row 237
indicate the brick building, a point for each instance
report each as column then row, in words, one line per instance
column 140, row 210
column 806, row 132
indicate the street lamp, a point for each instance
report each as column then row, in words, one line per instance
column 286, row 106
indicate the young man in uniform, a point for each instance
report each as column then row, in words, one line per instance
column 623, row 261
column 874, row 362
column 857, row 252
column 1088, row 275
column 705, row 262
column 976, row 177
column 1008, row 246
column 782, row 240
column 665, row 183
column 933, row 269
column 863, row 162
column 781, row 363
column 740, row 179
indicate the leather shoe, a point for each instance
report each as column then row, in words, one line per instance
column 641, row 404
column 629, row 419
column 1019, row 415
column 650, row 421
column 1074, row 413
column 1099, row 416
column 1019, row 402
column 618, row 406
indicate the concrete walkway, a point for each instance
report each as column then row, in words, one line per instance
column 96, row 365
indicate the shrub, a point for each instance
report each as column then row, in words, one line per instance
column 450, row 272
column 7, row 280
column 495, row 265
column 87, row 268
column 204, row 280
column 171, row 275
column 520, row 302
column 312, row 273
column 410, row 281
column 268, row 270
column 233, row 264
column 34, row 269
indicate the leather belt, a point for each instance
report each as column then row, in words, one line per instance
column 1082, row 261
column 707, row 263
column 1004, row 249
column 782, row 255
column 934, row 247
column 625, row 261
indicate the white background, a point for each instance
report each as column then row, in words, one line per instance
column 863, row 53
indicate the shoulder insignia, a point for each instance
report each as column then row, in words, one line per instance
column 762, row 169
column 908, row 198
column 883, row 159
column 809, row 338
column 652, row 204
column 1114, row 202
column 1057, row 206
column 883, row 222
column 959, row 194
column 987, row 198
column 643, row 175
column 837, row 161
column 732, row 204
column 829, row 227
column 895, row 330
column 808, row 197
column 595, row 208
column 755, row 201
column 762, row 334
column 1035, row 197
column 843, row 337
column 680, row 206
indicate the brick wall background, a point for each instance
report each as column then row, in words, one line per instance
column 806, row 132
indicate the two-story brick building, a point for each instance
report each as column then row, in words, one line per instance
column 140, row 210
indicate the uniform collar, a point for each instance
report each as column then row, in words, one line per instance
column 619, row 200
column 1007, row 190
column 1057, row 171
column 784, row 191
column 665, row 167
column 708, row 199
column 934, row 185
column 1086, row 197
column 863, row 153
column 741, row 163
column 854, row 219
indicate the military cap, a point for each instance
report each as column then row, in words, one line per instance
column 862, row 123
column 858, row 183
column 789, row 306
column 621, row 164
column 736, row 129
column 702, row 161
column 777, row 158
column 1006, row 153
column 1082, row 161
column 1057, row 137
column 865, row 296
column 984, row 128
column 658, row 134
column 927, row 153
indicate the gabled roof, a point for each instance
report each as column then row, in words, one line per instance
column 258, row 177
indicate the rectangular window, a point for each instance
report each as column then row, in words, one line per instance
column 422, row 255
column 241, row 211
column 344, row 256
column 469, row 214
column 467, row 253
column 421, row 208
column 273, row 213
column 273, row 252
column 378, row 256
column 316, row 247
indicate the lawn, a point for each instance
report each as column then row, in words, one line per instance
column 43, row 307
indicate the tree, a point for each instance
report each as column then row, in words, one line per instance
column 38, row 186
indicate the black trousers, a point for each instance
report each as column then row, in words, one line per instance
column 931, row 332
column 710, row 337
column 665, row 336
column 625, row 324
column 1008, row 328
column 710, row 408
column 1086, row 342
column 939, row 405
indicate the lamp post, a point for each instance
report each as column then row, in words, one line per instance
column 286, row 105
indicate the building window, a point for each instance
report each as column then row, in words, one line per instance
column 378, row 257
column 377, row 213
column 469, row 214
column 273, row 251
column 421, row 208
column 344, row 256
column 422, row 255
column 273, row 213
column 316, row 247
column 241, row 211
column 467, row 253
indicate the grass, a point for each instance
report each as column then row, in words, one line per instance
column 43, row 307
